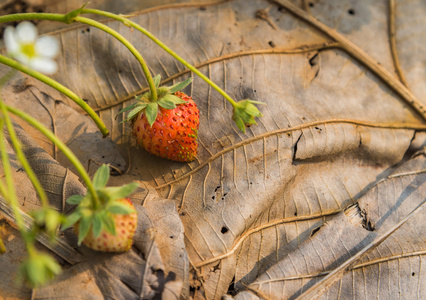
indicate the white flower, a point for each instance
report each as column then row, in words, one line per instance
column 37, row 53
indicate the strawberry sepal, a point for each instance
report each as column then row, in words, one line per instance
column 179, row 86
column 166, row 100
column 151, row 112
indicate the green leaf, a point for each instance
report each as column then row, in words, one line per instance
column 174, row 99
column 71, row 219
column 109, row 224
column 101, row 177
column 127, row 108
column 69, row 17
column 53, row 220
column 39, row 216
column 157, row 80
column 151, row 112
column 163, row 91
column 240, row 124
column 144, row 98
column 166, row 104
column 120, row 209
column 180, row 85
column 256, row 102
column 119, row 192
column 75, row 199
column 46, row 220
column 250, row 121
column 252, row 110
column 135, row 111
column 96, row 225
column 38, row 269
column 51, row 265
column 83, row 229
column 35, row 272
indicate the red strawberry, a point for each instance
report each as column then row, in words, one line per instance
column 174, row 132
column 168, row 126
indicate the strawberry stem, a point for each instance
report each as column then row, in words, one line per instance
column 34, row 16
column 129, row 46
column 128, row 22
column 59, row 87
column 17, row 145
column 8, row 191
column 61, row 146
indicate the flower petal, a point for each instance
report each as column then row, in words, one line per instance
column 21, row 57
column 10, row 40
column 26, row 32
column 43, row 65
column 47, row 46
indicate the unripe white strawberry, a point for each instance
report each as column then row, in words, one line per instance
column 125, row 227
column 104, row 219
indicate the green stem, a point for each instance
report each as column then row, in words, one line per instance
column 129, row 46
column 59, row 87
column 17, row 145
column 128, row 22
column 10, row 195
column 34, row 16
column 22, row 159
column 64, row 19
column 65, row 150
column 9, row 192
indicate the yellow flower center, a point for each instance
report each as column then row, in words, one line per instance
column 28, row 49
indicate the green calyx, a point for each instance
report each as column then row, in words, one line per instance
column 165, row 99
column 244, row 113
column 96, row 218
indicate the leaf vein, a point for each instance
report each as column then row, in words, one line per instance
column 395, row 126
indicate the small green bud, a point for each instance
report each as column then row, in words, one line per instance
column 38, row 269
column 244, row 113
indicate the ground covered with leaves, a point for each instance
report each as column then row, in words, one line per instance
column 323, row 197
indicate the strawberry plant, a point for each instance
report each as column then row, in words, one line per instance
column 103, row 211
column 164, row 121
column 100, row 203
column 270, row 215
